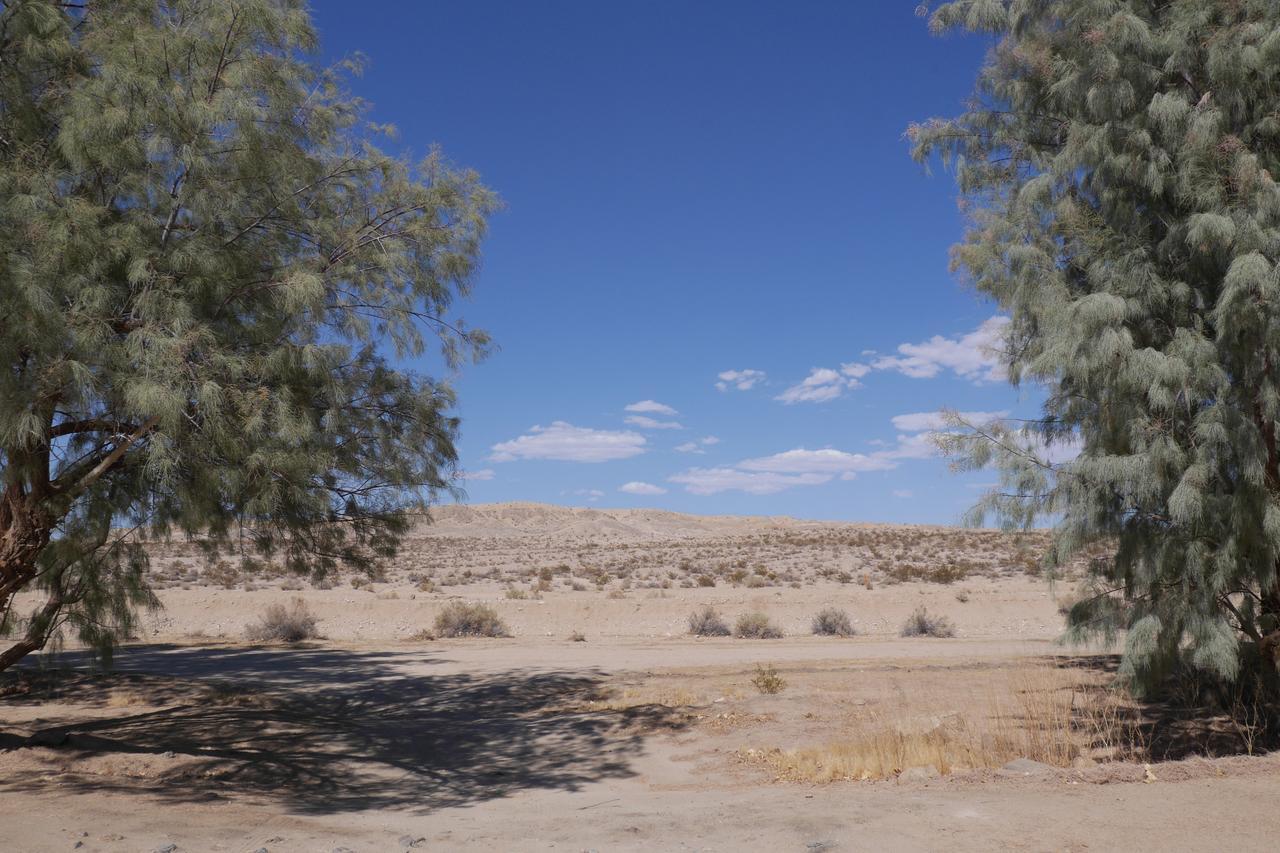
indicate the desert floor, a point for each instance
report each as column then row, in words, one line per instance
column 636, row 737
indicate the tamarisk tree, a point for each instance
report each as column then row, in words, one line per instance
column 1118, row 161
column 210, row 279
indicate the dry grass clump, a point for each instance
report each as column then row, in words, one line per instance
column 470, row 619
column 707, row 623
column 767, row 680
column 280, row 624
column 756, row 626
column 922, row 623
column 1041, row 715
column 833, row 622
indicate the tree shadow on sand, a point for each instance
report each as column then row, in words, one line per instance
column 1184, row 716
column 325, row 730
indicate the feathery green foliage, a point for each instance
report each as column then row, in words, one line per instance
column 1118, row 161
column 209, row 276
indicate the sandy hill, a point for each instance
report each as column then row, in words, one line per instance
column 520, row 519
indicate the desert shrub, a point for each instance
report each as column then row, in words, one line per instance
column 468, row 619
column 756, row 626
column 922, row 623
column 706, row 580
column 767, row 680
column 280, row 624
column 833, row 622
column 223, row 573
column 577, row 637
column 708, row 623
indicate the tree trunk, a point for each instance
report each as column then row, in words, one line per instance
column 25, row 530
column 38, row 633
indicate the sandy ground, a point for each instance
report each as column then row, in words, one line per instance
column 639, row 738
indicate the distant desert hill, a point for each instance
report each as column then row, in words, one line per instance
column 519, row 519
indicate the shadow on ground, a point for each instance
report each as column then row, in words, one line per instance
column 325, row 730
column 1185, row 717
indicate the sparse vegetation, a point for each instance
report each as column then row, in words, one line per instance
column 767, row 680
column 833, row 622
column 756, row 626
column 922, row 623
column 470, row 619
column 281, row 624
column 708, row 623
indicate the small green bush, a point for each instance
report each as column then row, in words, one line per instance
column 767, row 680
column 707, row 623
column 466, row 619
column 833, row 622
column 280, row 624
column 922, row 623
column 756, row 626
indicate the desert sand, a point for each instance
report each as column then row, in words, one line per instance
column 600, row 724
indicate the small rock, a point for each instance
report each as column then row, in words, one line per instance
column 411, row 840
column 261, row 850
column 166, row 848
column 919, row 774
column 77, row 845
column 1027, row 767
column 820, row 846
column 169, row 753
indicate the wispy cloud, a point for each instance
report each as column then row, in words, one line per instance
column 709, row 481
column 823, row 384
column 825, row 461
column 565, row 442
column 918, row 421
column 696, row 446
column 482, row 474
column 635, row 487
column 973, row 356
column 651, row 407
column 742, row 380
column 646, row 422
column 592, row 495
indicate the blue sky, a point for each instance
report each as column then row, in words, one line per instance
column 694, row 191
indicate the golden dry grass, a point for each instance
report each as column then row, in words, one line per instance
column 1045, row 714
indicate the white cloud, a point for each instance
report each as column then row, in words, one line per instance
column 920, row 445
column 568, row 443
column 651, row 407
column 696, row 446
column 826, row 461
column 592, row 495
column 903, row 493
column 919, row 421
column 645, row 422
column 709, row 481
column 635, row 487
column 822, row 384
column 482, row 474
column 743, row 380
column 972, row 356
